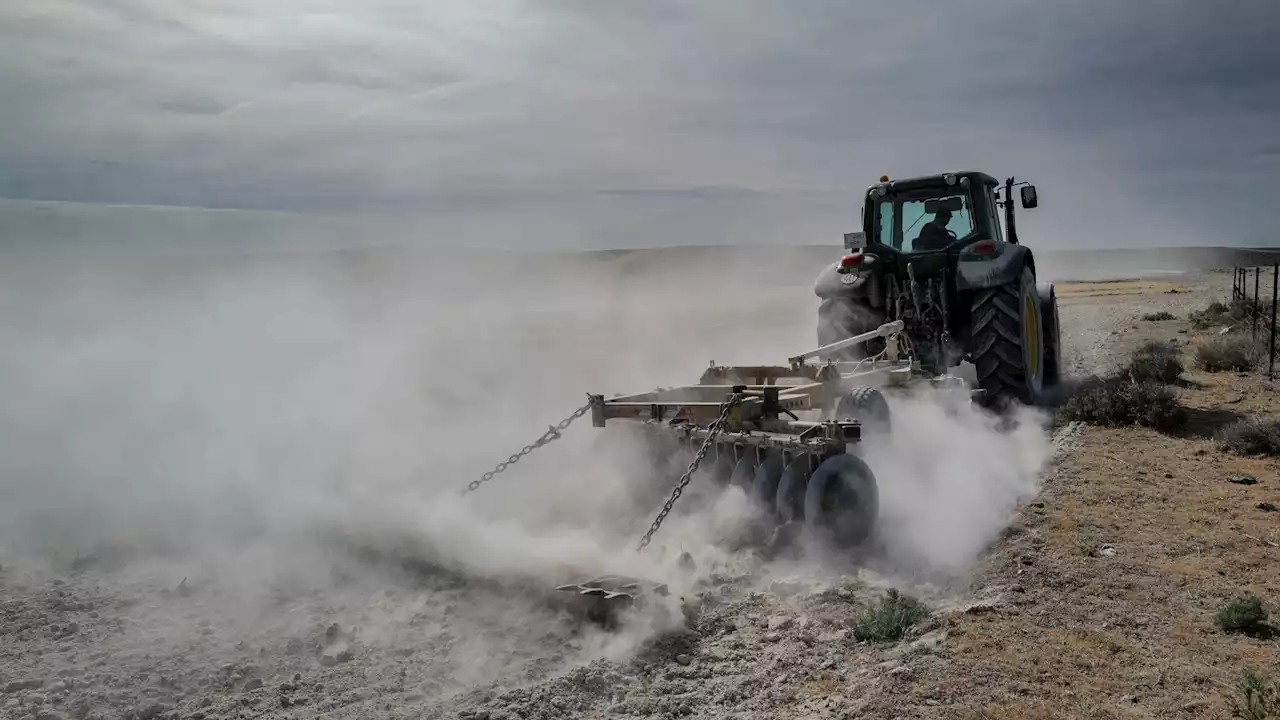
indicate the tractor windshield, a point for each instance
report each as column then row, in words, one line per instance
column 925, row 220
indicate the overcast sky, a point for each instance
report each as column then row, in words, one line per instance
column 594, row 123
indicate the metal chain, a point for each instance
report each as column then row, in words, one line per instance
column 713, row 430
column 552, row 433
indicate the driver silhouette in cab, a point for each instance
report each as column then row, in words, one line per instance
column 935, row 235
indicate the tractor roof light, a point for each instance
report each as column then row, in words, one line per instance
column 951, row 179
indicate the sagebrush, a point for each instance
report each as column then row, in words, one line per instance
column 1218, row 313
column 1122, row 402
column 1251, row 436
column 1155, row 362
column 1226, row 354
column 1243, row 615
column 1259, row 696
column 890, row 619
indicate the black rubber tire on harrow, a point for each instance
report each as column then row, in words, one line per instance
column 868, row 406
column 1008, row 367
column 789, row 501
column 764, row 484
column 842, row 502
column 1052, row 334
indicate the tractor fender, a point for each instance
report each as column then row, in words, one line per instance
column 864, row 288
column 1006, row 267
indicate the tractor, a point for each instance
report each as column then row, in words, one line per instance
column 932, row 254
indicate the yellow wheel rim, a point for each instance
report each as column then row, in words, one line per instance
column 1031, row 336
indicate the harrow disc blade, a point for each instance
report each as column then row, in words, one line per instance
column 764, row 483
column 744, row 472
column 842, row 501
column 789, row 500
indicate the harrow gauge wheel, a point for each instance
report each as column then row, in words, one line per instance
column 868, row 406
column 842, row 501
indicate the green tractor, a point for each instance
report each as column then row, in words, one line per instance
column 933, row 254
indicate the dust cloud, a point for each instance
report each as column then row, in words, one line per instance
column 254, row 424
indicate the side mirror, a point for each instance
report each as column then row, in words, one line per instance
column 1029, row 199
column 855, row 240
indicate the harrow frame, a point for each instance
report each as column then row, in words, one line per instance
column 767, row 416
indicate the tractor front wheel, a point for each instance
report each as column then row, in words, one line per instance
column 1008, row 341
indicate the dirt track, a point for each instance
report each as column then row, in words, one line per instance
column 1043, row 633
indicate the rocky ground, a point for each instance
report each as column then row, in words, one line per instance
column 1097, row 602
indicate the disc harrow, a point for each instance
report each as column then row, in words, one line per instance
column 789, row 436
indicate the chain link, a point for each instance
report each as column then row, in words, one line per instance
column 553, row 433
column 713, row 430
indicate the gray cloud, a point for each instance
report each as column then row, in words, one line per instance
column 577, row 123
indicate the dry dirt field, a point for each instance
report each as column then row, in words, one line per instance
column 1098, row 599
column 1101, row 597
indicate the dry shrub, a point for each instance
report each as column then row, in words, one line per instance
column 1218, row 313
column 1259, row 696
column 1158, row 316
column 1155, row 362
column 1251, row 436
column 891, row 619
column 1226, row 354
column 1122, row 402
column 1243, row 615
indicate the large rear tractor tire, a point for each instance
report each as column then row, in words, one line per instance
column 1008, row 342
column 1052, row 335
column 842, row 502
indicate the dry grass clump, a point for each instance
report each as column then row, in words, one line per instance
column 1157, row 316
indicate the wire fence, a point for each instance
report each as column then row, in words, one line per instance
column 1261, row 317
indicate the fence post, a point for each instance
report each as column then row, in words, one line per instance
column 1271, row 353
column 1235, row 283
column 1257, row 271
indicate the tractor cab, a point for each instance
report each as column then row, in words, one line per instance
column 954, row 213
